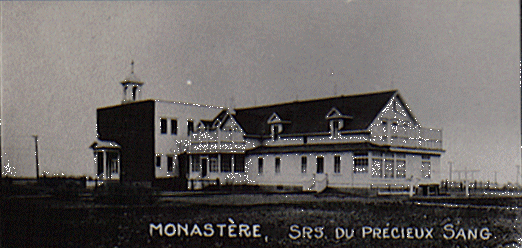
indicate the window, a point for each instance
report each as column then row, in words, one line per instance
column 389, row 166
column 190, row 127
column 401, row 168
column 196, row 163
column 239, row 163
column 305, row 139
column 335, row 127
column 214, row 164
column 303, row 164
column 163, row 125
column 170, row 163
column 158, row 161
column 112, row 163
column 259, row 165
column 277, row 165
column 426, row 166
column 174, row 127
column 376, row 167
column 426, row 170
column 114, row 166
column 276, row 131
column 337, row 164
column 401, row 165
column 320, row 165
column 360, row 162
column 226, row 163
column 134, row 93
column 389, row 169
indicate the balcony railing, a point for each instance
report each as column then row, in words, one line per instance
column 405, row 136
column 231, row 141
column 217, row 141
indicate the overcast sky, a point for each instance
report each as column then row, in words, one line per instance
column 456, row 64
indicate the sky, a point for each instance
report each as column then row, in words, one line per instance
column 455, row 62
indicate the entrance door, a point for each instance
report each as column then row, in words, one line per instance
column 204, row 162
column 320, row 165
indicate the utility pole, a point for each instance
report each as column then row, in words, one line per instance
column 466, row 182
column 36, row 155
column 450, row 169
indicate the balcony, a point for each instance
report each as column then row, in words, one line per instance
column 217, row 141
column 405, row 136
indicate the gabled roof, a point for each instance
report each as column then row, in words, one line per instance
column 309, row 116
column 274, row 118
column 206, row 124
column 335, row 114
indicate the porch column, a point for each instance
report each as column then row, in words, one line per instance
column 119, row 164
column 233, row 163
column 190, row 166
column 107, row 173
column 220, row 137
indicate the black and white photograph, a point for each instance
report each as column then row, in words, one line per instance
column 270, row 123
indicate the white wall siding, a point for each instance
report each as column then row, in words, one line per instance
column 291, row 175
column 168, row 144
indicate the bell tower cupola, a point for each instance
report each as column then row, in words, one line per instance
column 131, row 87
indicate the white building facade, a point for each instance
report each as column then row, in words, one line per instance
column 175, row 123
column 139, row 141
column 286, row 146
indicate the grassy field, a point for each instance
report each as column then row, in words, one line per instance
column 260, row 220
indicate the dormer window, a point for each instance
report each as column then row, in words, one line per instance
column 275, row 131
column 276, row 125
column 336, row 120
column 335, row 127
column 216, row 124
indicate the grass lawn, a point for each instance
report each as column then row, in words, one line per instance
column 260, row 220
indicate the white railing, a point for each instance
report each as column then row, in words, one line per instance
column 217, row 141
column 317, row 183
column 308, row 185
column 321, row 184
column 410, row 137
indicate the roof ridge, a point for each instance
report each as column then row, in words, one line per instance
column 318, row 99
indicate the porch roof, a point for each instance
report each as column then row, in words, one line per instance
column 318, row 148
column 103, row 144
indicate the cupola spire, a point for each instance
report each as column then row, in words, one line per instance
column 133, row 84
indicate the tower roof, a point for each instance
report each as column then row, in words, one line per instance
column 132, row 78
